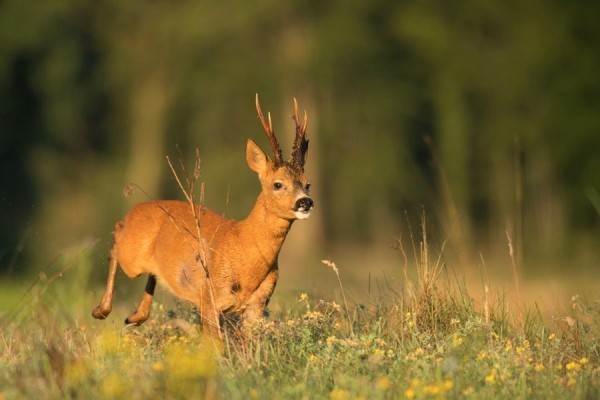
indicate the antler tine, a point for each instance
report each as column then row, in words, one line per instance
column 300, row 143
column 278, row 157
column 305, row 122
column 295, row 117
column 299, row 129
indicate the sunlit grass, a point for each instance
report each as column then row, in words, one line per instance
column 421, row 341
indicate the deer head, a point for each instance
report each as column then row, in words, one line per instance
column 285, row 188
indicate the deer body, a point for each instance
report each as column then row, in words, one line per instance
column 220, row 265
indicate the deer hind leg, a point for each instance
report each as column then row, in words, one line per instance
column 105, row 306
column 143, row 311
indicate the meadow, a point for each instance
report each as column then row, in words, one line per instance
column 428, row 339
column 485, row 114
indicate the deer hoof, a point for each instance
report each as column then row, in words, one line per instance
column 136, row 319
column 100, row 313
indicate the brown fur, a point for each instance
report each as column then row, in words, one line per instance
column 220, row 265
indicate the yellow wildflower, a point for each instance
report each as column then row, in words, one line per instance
column 379, row 353
column 491, row 377
column 77, row 372
column 383, row 383
column 184, row 362
column 457, row 340
column 539, row 367
column 158, row 366
column 114, row 385
column 415, row 382
column 109, row 342
column 350, row 342
column 408, row 318
column 573, row 366
column 339, row 394
column 431, row 390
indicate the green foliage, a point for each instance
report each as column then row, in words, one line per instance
column 505, row 96
column 308, row 351
column 485, row 113
column 429, row 341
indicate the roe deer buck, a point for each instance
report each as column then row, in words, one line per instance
column 220, row 265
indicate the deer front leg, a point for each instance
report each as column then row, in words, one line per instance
column 210, row 314
column 143, row 311
column 105, row 306
column 258, row 301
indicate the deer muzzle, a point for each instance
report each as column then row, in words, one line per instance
column 303, row 207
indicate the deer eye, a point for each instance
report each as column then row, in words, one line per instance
column 307, row 187
column 277, row 185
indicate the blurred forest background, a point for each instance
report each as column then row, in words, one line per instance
column 484, row 114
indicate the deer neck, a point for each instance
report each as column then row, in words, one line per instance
column 266, row 231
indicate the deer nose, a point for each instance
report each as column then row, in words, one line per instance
column 304, row 204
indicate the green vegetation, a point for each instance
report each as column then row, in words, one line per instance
column 484, row 113
column 423, row 341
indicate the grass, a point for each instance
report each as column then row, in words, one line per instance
column 423, row 341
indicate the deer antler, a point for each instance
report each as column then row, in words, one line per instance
column 300, row 147
column 278, row 158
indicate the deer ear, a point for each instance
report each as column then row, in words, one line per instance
column 256, row 158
